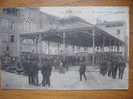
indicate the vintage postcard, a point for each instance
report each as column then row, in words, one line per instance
column 64, row 48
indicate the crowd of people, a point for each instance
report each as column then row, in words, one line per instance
column 31, row 69
column 113, row 67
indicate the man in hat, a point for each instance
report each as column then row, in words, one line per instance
column 44, row 71
column 82, row 71
column 29, row 70
column 114, row 67
column 35, row 70
column 121, row 68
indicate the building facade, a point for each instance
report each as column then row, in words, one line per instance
column 13, row 22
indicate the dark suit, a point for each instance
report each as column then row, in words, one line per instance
column 82, row 71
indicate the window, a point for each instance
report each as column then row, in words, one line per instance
column 4, row 23
column 11, row 11
column 12, row 38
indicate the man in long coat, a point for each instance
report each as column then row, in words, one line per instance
column 82, row 71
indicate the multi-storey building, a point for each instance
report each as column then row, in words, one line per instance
column 16, row 21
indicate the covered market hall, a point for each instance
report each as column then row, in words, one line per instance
column 74, row 42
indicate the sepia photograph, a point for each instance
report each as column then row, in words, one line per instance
column 64, row 48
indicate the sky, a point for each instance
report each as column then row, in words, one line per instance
column 91, row 13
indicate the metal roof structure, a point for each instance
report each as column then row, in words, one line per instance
column 77, row 32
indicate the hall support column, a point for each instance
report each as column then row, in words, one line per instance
column 93, row 38
column 109, row 46
column 40, row 46
column 118, row 48
column 59, row 44
column 35, row 44
column 58, row 48
column 125, row 48
column 64, row 42
column 103, row 44
column 102, row 49
column 20, row 47
column 40, row 52
column 115, row 46
column 48, row 46
column 18, row 44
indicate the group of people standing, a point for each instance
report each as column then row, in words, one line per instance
column 113, row 67
column 32, row 68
